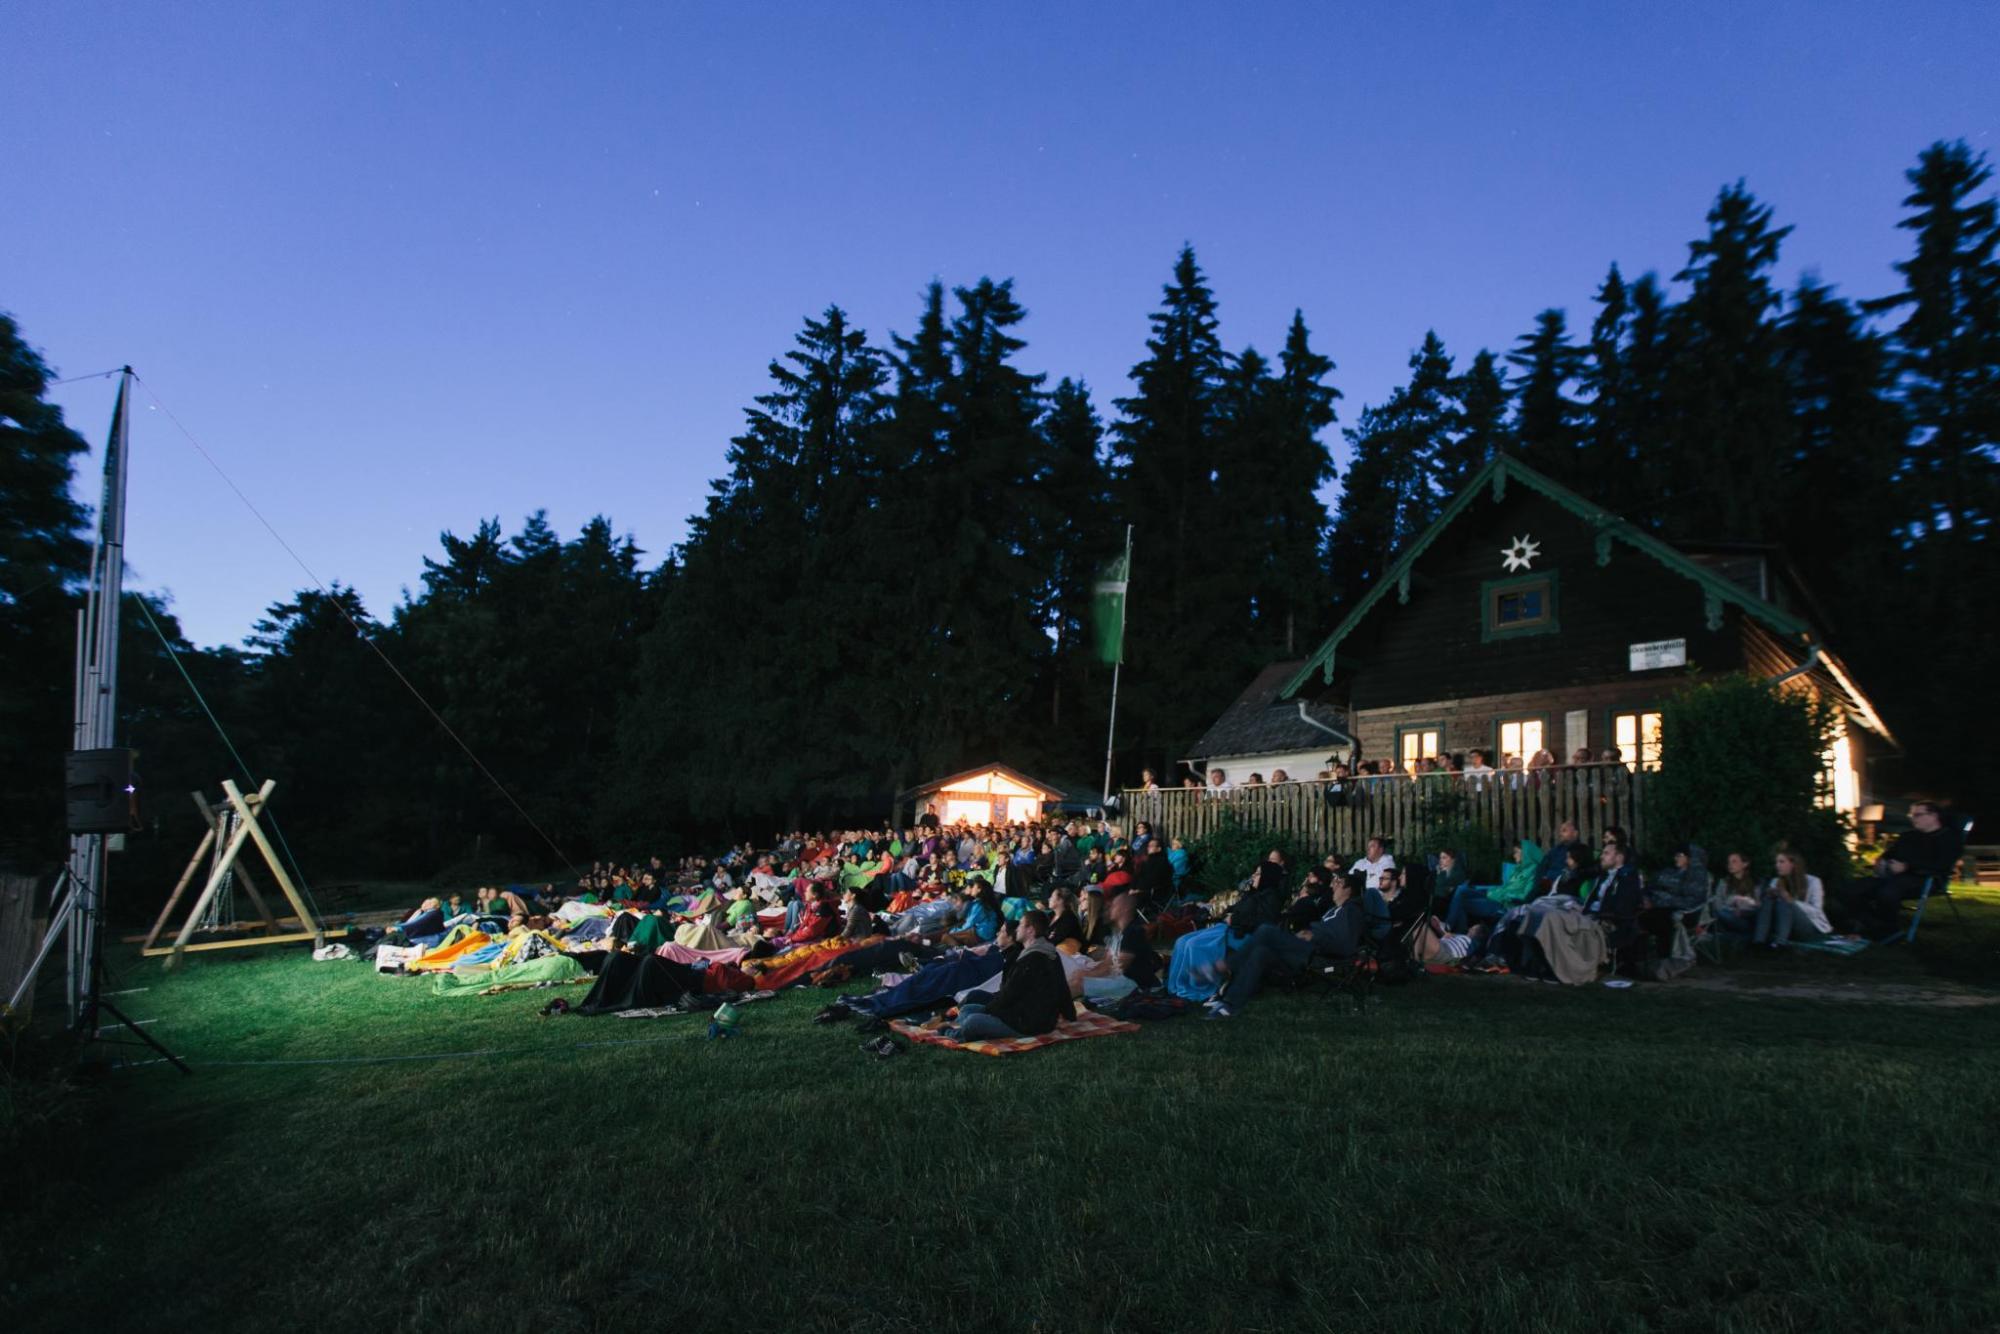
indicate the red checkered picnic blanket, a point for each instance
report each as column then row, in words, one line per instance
column 1087, row 1024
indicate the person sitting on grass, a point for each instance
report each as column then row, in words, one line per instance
column 1336, row 935
column 1034, row 993
column 1676, row 894
column 1064, row 925
column 1737, row 896
column 981, row 919
column 1793, row 906
column 1129, row 945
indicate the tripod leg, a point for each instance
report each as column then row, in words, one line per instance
column 141, row 1034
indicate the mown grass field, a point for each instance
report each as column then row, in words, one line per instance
column 1470, row 1153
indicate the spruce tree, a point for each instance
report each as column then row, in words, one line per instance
column 1482, row 429
column 1947, row 347
column 1163, row 448
column 1548, row 421
column 43, row 557
column 1302, row 466
column 1392, row 491
column 1725, row 397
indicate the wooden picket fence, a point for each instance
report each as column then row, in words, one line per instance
column 1403, row 809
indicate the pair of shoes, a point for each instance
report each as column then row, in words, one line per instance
column 882, row 1047
column 911, row 963
column 833, row 1014
column 1219, row 1012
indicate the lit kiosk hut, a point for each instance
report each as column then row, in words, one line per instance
column 990, row 794
column 1526, row 618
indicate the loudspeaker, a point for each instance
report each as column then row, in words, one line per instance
column 98, row 790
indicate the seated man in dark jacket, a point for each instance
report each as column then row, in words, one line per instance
column 1336, row 935
column 1616, row 899
column 1033, row 996
column 1926, row 852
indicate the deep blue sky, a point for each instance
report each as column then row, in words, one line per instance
column 400, row 267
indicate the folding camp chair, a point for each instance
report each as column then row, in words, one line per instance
column 1710, row 940
column 1937, row 885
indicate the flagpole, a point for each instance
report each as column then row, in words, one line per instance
column 1111, row 734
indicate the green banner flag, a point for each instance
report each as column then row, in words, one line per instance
column 1109, row 595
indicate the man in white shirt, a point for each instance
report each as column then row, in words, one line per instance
column 1218, row 784
column 1374, row 864
column 1477, row 771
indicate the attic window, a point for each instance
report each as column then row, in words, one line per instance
column 1525, row 606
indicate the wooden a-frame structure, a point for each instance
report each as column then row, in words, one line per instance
column 247, row 809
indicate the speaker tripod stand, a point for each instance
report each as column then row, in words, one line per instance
column 79, row 915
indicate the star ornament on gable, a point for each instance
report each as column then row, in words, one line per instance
column 1521, row 554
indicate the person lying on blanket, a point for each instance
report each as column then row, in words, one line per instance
column 1034, row 991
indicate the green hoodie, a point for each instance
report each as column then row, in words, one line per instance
column 1520, row 881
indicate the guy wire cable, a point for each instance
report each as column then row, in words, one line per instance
column 359, row 631
column 234, row 754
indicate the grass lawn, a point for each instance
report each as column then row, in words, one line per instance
column 1470, row 1153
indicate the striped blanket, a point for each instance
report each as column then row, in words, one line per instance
column 1087, row 1024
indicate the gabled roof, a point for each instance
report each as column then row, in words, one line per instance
column 1055, row 793
column 1260, row 723
column 1610, row 528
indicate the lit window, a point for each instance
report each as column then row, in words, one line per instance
column 1637, row 736
column 1419, row 743
column 1520, row 736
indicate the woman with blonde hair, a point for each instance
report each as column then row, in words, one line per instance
column 1793, row 906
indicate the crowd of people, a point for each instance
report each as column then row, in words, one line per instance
column 1001, row 931
column 1345, row 784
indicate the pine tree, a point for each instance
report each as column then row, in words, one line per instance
column 43, row 557
column 1179, row 649
column 1948, row 346
column 1946, row 353
column 1849, row 430
column 1480, row 421
column 1548, row 421
column 1726, row 400
column 1392, row 491
column 1302, row 467
column 1076, row 538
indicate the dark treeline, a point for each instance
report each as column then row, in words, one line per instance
column 893, row 578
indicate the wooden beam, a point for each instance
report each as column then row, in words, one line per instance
column 243, row 808
column 187, row 876
column 215, row 875
column 292, row 938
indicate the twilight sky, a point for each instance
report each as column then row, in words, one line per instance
column 399, row 267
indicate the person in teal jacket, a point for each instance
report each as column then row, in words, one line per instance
column 1476, row 903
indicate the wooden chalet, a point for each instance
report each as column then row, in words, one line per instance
column 1524, row 619
column 1527, row 618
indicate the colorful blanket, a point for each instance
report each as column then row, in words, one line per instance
column 1085, row 1025
column 682, row 954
